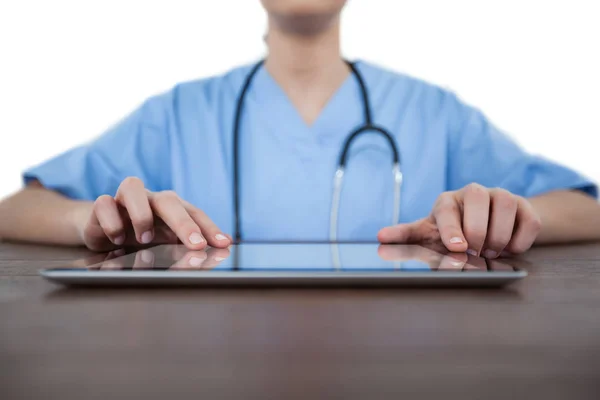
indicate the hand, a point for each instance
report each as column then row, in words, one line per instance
column 136, row 216
column 475, row 220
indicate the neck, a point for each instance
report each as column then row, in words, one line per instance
column 307, row 66
column 300, row 58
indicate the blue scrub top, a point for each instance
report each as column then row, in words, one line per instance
column 181, row 140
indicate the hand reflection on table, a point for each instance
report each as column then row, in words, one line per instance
column 178, row 257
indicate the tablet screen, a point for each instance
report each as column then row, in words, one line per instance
column 297, row 257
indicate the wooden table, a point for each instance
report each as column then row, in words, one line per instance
column 539, row 339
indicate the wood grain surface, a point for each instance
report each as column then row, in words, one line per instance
column 538, row 339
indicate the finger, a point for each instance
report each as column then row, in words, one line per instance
column 168, row 206
column 506, row 253
column 503, row 211
column 144, row 259
column 164, row 235
column 476, row 211
column 107, row 212
column 447, row 215
column 215, row 257
column 528, row 227
column 401, row 233
column 94, row 237
column 211, row 231
column 453, row 262
column 436, row 246
column 134, row 197
column 191, row 260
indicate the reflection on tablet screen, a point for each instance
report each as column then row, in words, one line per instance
column 295, row 257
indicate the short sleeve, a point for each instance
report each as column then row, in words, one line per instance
column 480, row 153
column 137, row 146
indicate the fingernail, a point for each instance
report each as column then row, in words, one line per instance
column 196, row 238
column 220, row 236
column 456, row 239
column 119, row 240
column 147, row 256
column 472, row 252
column 146, row 237
column 457, row 264
column 490, row 254
column 195, row 261
column 219, row 258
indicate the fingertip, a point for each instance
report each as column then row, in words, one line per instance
column 196, row 241
column 119, row 240
column 218, row 241
column 146, row 237
column 395, row 234
column 222, row 241
column 384, row 235
column 456, row 243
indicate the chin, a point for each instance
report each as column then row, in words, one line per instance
column 303, row 8
column 303, row 17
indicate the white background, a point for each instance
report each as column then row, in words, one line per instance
column 69, row 69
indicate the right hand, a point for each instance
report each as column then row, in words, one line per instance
column 136, row 216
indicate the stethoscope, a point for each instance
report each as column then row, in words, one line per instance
column 367, row 126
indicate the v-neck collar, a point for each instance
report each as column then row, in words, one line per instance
column 279, row 113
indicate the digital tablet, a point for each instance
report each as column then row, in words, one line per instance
column 286, row 264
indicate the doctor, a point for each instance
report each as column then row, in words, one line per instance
column 201, row 163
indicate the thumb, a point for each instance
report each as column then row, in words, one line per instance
column 401, row 233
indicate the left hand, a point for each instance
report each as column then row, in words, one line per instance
column 474, row 219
